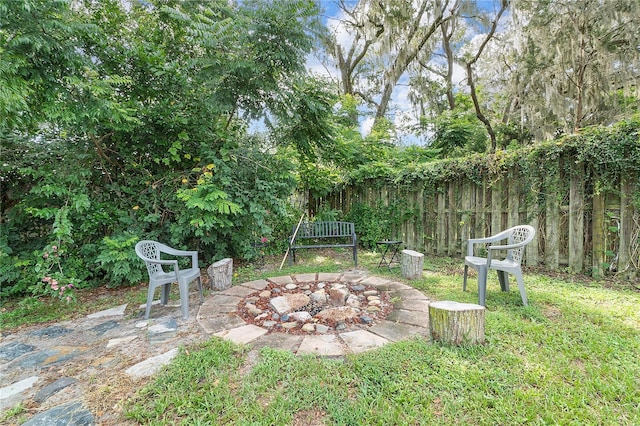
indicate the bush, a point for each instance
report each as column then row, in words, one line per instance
column 119, row 261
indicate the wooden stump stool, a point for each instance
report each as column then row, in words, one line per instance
column 411, row 265
column 456, row 323
column 221, row 274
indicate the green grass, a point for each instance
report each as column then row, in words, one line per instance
column 15, row 313
column 570, row 358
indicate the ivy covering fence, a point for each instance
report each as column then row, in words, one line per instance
column 580, row 192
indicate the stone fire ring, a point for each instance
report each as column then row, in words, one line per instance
column 218, row 316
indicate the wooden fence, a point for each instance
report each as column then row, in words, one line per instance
column 580, row 226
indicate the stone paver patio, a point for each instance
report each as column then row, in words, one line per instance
column 410, row 317
column 53, row 368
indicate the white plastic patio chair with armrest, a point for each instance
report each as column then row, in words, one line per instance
column 150, row 252
column 517, row 238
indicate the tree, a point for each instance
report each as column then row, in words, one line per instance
column 570, row 63
column 470, row 78
column 133, row 122
column 387, row 37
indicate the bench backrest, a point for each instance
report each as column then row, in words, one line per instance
column 326, row 229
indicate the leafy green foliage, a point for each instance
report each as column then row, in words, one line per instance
column 118, row 260
column 458, row 132
column 378, row 223
column 133, row 123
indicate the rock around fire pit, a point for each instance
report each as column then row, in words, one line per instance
column 219, row 315
column 315, row 307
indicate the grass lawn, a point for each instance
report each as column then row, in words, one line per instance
column 570, row 358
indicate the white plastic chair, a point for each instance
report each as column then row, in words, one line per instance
column 150, row 253
column 517, row 238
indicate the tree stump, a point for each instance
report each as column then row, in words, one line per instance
column 456, row 323
column 411, row 265
column 221, row 273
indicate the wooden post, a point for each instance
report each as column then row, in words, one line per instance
column 452, row 219
column 221, row 274
column 598, row 237
column 456, row 323
column 576, row 220
column 441, row 231
column 513, row 201
column 411, row 265
column 467, row 202
column 552, row 214
column 496, row 208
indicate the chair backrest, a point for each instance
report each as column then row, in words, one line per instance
column 149, row 250
column 519, row 234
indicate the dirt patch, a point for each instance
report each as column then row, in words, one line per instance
column 309, row 418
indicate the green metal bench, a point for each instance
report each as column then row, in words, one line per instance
column 323, row 235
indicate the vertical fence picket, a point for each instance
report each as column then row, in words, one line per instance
column 576, row 220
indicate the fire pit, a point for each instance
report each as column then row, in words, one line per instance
column 316, row 307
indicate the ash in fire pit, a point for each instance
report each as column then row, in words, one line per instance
column 315, row 307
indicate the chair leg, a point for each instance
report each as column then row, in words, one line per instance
column 166, row 290
column 464, row 280
column 503, row 277
column 482, row 286
column 184, row 299
column 523, row 293
column 200, row 287
column 147, row 311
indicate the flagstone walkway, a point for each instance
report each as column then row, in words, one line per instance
column 55, row 370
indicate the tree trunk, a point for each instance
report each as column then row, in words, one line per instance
column 412, row 263
column 456, row 323
column 221, row 274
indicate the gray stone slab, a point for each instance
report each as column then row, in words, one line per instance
column 396, row 331
column 362, row 340
column 151, row 365
column 117, row 311
column 323, row 345
column 50, row 332
column 50, row 356
column 282, row 341
column 17, row 387
column 221, row 322
column 327, row 276
column 222, row 299
column 162, row 330
column 413, row 305
column 13, row 350
column 407, row 294
column 238, row 290
column 120, row 340
column 282, row 280
column 352, row 277
column 242, row 334
column 394, row 285
column 102, row 328
column 217, row 305
column 305, row 278
column 256, row 285
column 421, row 319
column 73, row 413
column 52, row 388
column 376, row 282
